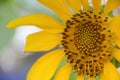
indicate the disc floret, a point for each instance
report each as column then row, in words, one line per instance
column 87, row 42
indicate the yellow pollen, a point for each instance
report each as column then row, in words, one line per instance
column 87, row 42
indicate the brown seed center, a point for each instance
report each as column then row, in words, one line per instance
column 87, row 42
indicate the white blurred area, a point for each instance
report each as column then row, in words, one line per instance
column 117, row 11
column 14, row 53
column 118, row 69
column 102, row 2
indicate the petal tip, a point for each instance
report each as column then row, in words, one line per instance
column 9, row 25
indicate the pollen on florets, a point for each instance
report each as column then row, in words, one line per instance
column 87, row 42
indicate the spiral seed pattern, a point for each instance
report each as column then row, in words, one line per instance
column 87, row 42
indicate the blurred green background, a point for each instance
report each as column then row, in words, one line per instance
column 14, row 64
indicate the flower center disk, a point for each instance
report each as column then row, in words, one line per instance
column 87, row 42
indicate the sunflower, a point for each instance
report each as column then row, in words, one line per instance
column 87, row 40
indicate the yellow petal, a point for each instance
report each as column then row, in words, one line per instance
column 80, row 77
column 41, row 41
column 116, row 54
column 102, row 77
column 91, row 78
column 97, row 5
column 45, row 67
column 114, row 25
column 64, row 73
column 85, row 4
column 59, row 7
column 74, row 4
column 110, row 72
column 111, row 5
column 43, row 21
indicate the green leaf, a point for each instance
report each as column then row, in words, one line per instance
column 73, row 75
column 102, row 8
column 91, row 8
column 111, row 14
column 97, row 77
column 115, row 62
column 86, row 77
column 63, row 62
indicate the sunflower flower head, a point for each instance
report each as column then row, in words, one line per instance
column 88, row 40
column 88, row 44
